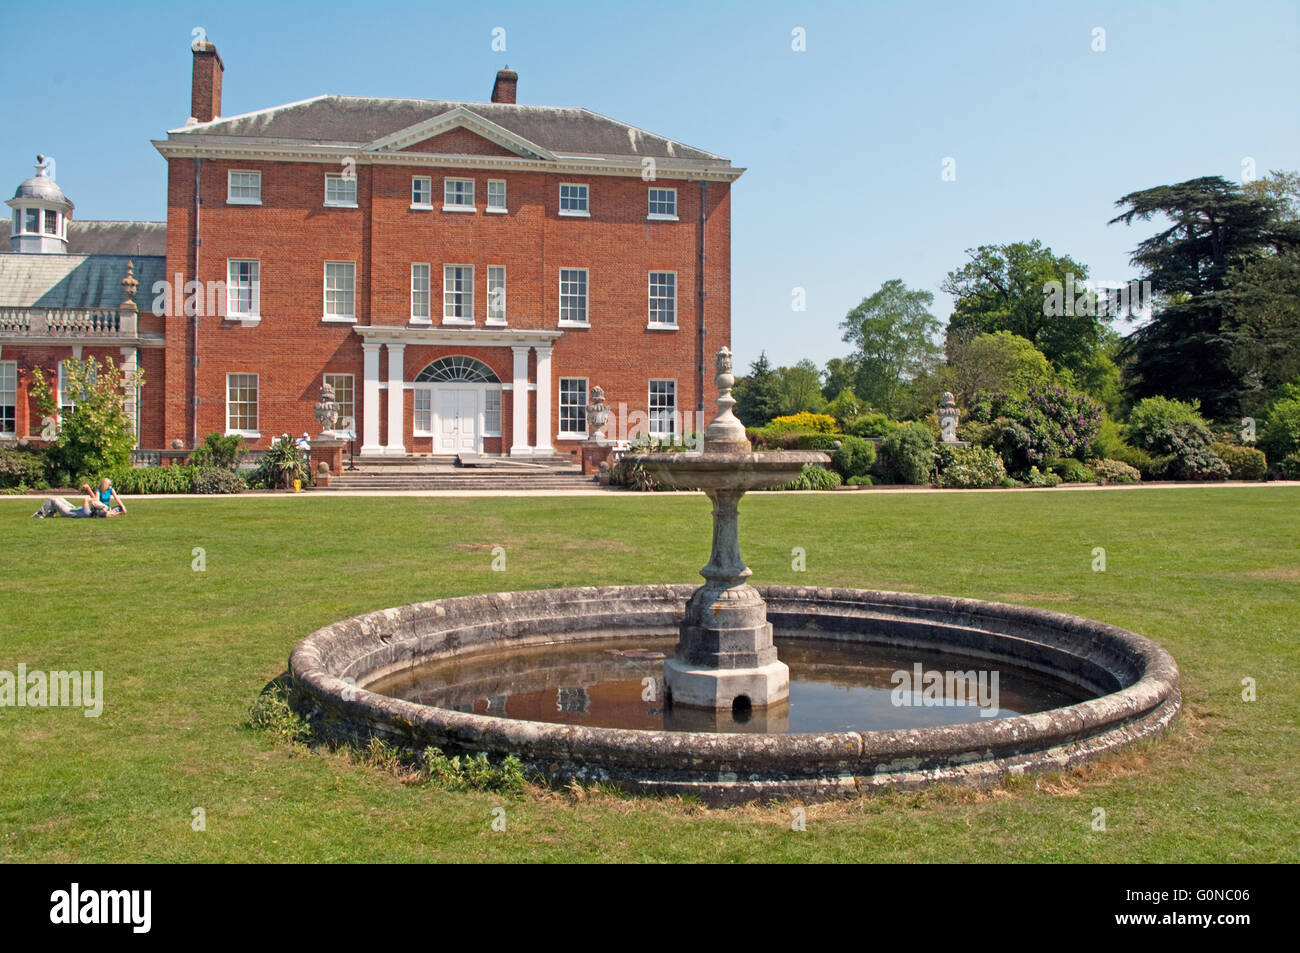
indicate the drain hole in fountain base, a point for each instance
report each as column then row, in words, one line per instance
column 741, row 708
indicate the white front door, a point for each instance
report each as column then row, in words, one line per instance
column 456, row 428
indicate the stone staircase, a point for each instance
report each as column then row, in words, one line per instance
column 385, row 474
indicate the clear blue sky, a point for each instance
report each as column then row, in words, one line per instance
column 843, row 142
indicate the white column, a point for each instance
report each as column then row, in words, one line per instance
column 370, row 399
column 543, row 400
column 396, row 398
column 519, row 421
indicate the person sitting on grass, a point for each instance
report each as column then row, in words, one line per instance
column 107, row 496
column 107, row 504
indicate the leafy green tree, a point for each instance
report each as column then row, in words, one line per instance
column 1264, row 296
column 96, row 435
column 1214, row 226
column 1005, row 288
column 1000, row 361
column 758, row 395
column 841, row 374
column 892, row 332
column 801, row 388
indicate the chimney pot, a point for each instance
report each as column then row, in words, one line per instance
column 505, row 87
column 205, row 90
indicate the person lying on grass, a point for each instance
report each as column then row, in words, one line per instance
column 107, row 504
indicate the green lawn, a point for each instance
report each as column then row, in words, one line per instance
column 1212, row 574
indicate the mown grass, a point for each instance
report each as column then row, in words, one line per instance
column 1213, row 574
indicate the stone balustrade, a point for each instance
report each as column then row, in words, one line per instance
column 67, row 323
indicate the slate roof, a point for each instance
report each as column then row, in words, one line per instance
column 358, row 120
column 117, row 238
column 75, row 281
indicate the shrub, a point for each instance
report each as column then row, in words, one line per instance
column 1109, row 444
column 1280, row 435
column 1035, row 478
column 813, row 477
column 1072, row 471
column 818, row 441
column 1244, row 463
column 907, row 454
column 218, row 480
column 1188, row 443
column 1289, row 466
column 871, row 425
column 96, row 435
column 803, row 422
column 1160, row 413
column 1056, row 422
column 153, row 479
column 632, row 475
column 844, row 407
column 970, row 467
column 1115, row 471
column 218, row 450
column 283, row 463
column 854, row 458
column 22, row 466
column 859, row 481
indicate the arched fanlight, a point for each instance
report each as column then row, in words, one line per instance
column 457, row 369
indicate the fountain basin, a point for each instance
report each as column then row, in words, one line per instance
column 1132, row 680
column 713, row 470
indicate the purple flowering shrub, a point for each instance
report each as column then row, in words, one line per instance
column 1047, row 423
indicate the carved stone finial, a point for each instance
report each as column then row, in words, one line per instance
column 129, row 283
column 725, row 433
column 948, row 418
column 597, row 413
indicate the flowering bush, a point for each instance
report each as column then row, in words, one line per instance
column 1115, row 471
column 1050, row 422
column 803, row 421
column 969, row 467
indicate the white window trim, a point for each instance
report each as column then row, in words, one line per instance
column 333, row 204
column 660, row 216
column 574, row 213
column 8, row 435
column 569, row 322
column 352, row 431
column 422, row 318
column 454, row 321
column 459, row 208
column 650, row 408
column 483, row 413
column 251, row 318
column 324, row 292
column 231, row 200
column 559, row 407
column 488, row 320
column 493, row 209
column 422, row 206
column 657, row 325
column 250, row 434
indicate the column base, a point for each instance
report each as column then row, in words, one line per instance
column 719, row 688
column 371, row 449
column 398, row 451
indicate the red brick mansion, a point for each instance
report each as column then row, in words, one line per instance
column 462, row 274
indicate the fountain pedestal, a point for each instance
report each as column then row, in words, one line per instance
column 725, row 656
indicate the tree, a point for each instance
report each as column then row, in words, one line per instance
column 801, row 389
column 1001, row 361
column 1264, row 296
column 893, row 337
column 841, row 374
column 1006, row 288
column 1215, row 226
column 758, row 396
column 96, row 435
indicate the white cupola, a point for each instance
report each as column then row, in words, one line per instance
column 40, row 213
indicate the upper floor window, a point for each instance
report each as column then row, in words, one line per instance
column 340, row 290
column 496, row 300
column 458, row 294
column 496, row 195
column 421, row 192
column 420, row 292
column 458, row 195
column 663, row 299
column 341, row 190
column 244, row 188
column 51, row 222
column 573, row 296
column 243, row 288
column 573, row 200
column 8, row 396
column 33, row 223
column 663, row 204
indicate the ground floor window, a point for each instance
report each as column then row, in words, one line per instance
column 423, row 411
column 344, row 396
column 241, row 404
column 491, row 413
column 8, row 396
column 663, row 408
column 573, row 406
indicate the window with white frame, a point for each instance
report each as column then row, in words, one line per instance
column 241, row 404
column 345, row 397
column 573, row 296
column 8, row 396
column 67, row 400
column 663, row 408
column 458, row 294
column 33, row 221
column 663, row 204
column 341, row 190
column 420, row 292
column 244, row 188
column 18, row 222
column 573, row 407
column 51, row 222
column 663, row 299
column 423, row 423
column 243, row 288
column 573, row 199
column 458, row 195
column 496, row 291
column 340, row 290
column 492, row 412
column 422, row 191
column 496, row 195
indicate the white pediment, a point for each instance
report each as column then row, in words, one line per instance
column 459, row 117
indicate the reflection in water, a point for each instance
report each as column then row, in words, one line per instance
column 833, row 687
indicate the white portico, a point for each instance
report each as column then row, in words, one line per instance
column 459, row 401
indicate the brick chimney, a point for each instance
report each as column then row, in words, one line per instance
column 205, row 92
column 503, row 90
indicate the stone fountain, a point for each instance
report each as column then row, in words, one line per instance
column 725, row 658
